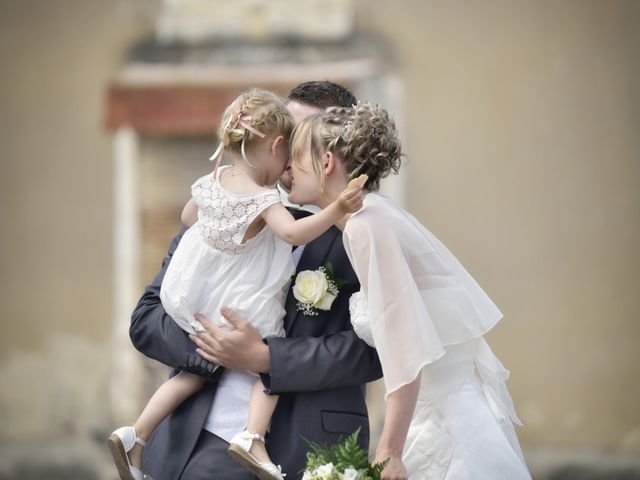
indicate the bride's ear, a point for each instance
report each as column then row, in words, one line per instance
column 329, row 163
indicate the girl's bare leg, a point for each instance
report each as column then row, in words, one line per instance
column 166, row 399
column 261, row 407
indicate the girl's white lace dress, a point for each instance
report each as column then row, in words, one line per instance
column 212, row 267
column 427, row 316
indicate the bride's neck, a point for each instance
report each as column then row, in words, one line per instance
column 333, row 187
column 331, row 191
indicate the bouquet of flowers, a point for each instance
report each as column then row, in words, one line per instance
column 343, row 461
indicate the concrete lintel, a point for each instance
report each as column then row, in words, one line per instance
column 165, row 74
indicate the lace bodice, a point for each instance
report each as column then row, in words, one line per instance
column 224, row 217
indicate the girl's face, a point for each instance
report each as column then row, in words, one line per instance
column 305, row 184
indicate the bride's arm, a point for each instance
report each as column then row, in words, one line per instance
column 397, row 315
column 400, row 406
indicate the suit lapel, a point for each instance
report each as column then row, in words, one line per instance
column 312, row 258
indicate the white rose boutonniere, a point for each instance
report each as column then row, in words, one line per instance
column 316, row 289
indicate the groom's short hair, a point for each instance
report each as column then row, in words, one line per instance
column 322, row 94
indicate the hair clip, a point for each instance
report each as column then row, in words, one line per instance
column 241, row 120
column 346, row 125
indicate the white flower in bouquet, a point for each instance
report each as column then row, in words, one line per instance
column 321, row 472
column 345, row 460
column 324, row 471
column 350, row 474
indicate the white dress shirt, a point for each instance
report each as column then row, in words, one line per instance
column 229, row 410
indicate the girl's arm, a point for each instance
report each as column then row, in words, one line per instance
column 189, row 213
column 303, row 231
column 400, row 406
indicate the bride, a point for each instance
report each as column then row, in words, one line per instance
column 449, row 415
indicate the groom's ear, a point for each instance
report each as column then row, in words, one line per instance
column 329, row 162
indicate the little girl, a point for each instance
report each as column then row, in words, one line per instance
column 228, row 257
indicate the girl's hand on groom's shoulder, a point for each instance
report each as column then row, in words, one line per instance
column 240, row 348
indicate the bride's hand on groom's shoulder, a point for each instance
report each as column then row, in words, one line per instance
column 241, row 348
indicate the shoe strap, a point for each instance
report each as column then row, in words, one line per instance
column 268, row 467
column 137, row 440
column 253, row 436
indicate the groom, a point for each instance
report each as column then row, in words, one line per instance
column 319, row 370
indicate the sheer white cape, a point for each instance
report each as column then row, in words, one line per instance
column 420, row 299
column 426, row 316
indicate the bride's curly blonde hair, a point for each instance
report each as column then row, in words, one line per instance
column 364, row 137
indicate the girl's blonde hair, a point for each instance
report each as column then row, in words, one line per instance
column 364, row 137
column 262, row 111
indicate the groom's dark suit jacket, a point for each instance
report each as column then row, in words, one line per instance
column 320, row 370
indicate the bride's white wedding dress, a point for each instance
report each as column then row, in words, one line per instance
column 427, row 316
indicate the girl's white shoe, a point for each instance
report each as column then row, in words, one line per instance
column 239, row 450
column 120, row 443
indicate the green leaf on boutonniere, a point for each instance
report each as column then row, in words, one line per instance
column 337, row 281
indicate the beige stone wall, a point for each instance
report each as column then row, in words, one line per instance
column 56, row 207
column 524, row 158
column 523, row 121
